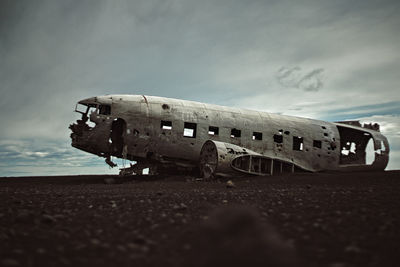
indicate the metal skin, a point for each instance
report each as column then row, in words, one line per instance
column 166, row 134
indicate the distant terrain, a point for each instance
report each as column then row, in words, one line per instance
column 307, row 219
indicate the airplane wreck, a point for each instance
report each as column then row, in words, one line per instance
column 171, row 135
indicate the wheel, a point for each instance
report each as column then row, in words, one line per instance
column 208, row 160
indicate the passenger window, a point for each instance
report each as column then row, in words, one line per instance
column 235, row 133
column 189, row 130
column 257, row 136
column 166, row 125
column 213, row 130
column 298, row 143
column 317, row 143
column 105, row 110
column 278, row 138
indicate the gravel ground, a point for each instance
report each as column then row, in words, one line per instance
column 307, row 219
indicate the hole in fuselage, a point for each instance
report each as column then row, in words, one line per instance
column 118, row 128
column 355, row 147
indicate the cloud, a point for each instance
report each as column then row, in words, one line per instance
column 41, row 157
column 54, row 53
column 310, row 81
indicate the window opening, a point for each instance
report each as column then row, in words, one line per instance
column 235, row 133
column 257, row 136
column 166, row 125
column 349, row 149
column 278, row 138
column 356, row 147
column 81, row 108
column 92, row 108
column 213, row 130
column 189, row 130
column 317, row 143
column 298, row 143
column 370, row 152
column 105, row 110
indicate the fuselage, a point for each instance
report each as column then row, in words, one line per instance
column 159, row 129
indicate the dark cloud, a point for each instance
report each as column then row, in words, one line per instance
column 295, row 77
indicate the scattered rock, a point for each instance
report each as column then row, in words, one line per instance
column 24, row 216
column 46, row 218
column 95, row 241
column 236, row 236
column 133, row 246
column 121, row 248
column 41, row 251
column 180, row 207
column 9, row 262
column 110, row 181
column 113, row 204
column 230, row 184
column 141, row 240
column 352, row 249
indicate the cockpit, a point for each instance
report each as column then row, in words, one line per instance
column 92, row 131
column 89, row 108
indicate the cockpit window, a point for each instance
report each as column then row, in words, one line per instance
column 85, row 108
column 105, row 110
column 92, row 108
column 81, row 108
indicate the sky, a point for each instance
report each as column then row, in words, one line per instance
column 330, row 60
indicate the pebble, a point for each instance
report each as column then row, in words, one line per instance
column 48, row 219
column 23, row 216
column 40, row 250
column 180, row 207
column 113, row 204
column 121, row 248
column 230, row 184
column 95, row 241
column 109, row 181
column 352, row 249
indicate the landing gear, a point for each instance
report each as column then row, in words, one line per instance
column 208, row 160
column 110, row 162
column 137, row 169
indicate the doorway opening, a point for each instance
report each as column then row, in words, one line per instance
column 117, row 132
column 353, row 147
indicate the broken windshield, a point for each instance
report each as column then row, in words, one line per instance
column 85, row 109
